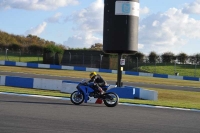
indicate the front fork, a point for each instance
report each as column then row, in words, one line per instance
column 86, row 95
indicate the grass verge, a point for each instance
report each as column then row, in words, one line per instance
column 170, row 69
column 22, row 58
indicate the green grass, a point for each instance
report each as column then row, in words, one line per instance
column 169, row 98
column 107, row 76
column 32, row 91
column 34, row 58
column 173, row 98
column 170, row 69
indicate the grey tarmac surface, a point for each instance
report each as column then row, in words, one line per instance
column 39, row 115
column 135, row 84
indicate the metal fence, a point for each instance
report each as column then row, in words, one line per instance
column 19, row 56
column 105, row 62
column 131, row 64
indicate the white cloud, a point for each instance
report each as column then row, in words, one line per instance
column 144, row 10
column 192, row 8
column 37, row 30
column 168, row 31
column 89, row 25
column 36, row 4
column 140, row 46
column 91, row 18
column 82, row 41
column 55, row 18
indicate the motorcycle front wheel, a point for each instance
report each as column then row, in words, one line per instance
column 77, row 97
column 111, row 99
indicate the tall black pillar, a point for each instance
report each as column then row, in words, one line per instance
column 119, row 71
column 120, row 31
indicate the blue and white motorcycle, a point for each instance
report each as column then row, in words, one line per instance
column 85, row 91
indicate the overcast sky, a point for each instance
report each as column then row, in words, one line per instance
column 165, row 26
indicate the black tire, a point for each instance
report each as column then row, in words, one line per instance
column 111, row 103
column 77, row 98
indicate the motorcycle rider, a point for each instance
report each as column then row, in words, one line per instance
column 98, row 81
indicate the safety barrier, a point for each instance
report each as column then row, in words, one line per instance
column 35, row 65
column 64, row 86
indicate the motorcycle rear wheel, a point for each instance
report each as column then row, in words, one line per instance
column 77, row 97
column 112, row 99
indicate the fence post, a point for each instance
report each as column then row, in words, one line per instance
column 76, row 59
column 128, row 62
column 155, row 65
column 174, row 66
column 38, row 54
column 69, row 58
column 101, row 56
column 137, row 63
column 54, row 54
column 195, row 69
column 83, row 59
column 19, row 55
column 91, row 59
column 6, row 56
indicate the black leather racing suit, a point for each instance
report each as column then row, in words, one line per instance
column 98, row 82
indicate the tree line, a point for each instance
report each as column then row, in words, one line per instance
column 153, row 57
column 35, row 44
column 28, row 44
column 169, row 57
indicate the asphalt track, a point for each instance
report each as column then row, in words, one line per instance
column 40, row 115
column 135, row 84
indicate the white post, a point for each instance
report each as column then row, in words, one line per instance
column 101, row 56
column 6, row 56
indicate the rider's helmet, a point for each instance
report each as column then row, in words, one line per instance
column 92, row 74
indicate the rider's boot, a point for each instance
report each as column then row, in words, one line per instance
column 101, row 91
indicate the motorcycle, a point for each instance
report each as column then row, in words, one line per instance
column 85, row 91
